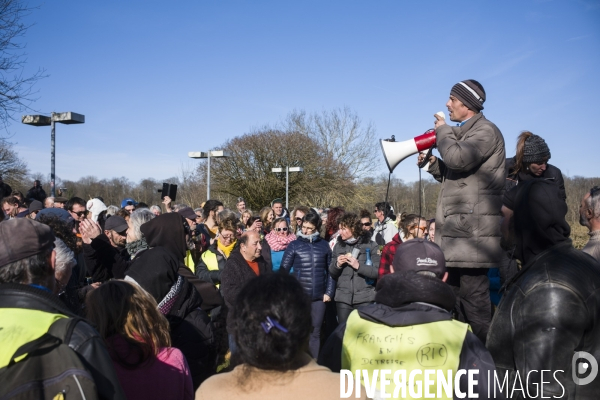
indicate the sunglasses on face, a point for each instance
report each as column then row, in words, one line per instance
column 422, row 228
column 298, row 219
column 80, row 213
column 281, row 229
column 366, row 224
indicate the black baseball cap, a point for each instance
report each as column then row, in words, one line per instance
column 420, row 255
column 116, row 223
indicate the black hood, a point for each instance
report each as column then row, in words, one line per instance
column 539, row 219
column 166, row 231
column 407, row 298
column 155, row 270
column 402, row 288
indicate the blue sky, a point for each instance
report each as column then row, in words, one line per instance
column 156, row 79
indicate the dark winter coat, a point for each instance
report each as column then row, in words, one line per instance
column 236, row 274
column 352, row 286
column 103, row 261
column 551, row 308
column 211, row 275
column 167, row 231
column 472, row 173
column 310, row 259
column 552, row 174
column 36, row 193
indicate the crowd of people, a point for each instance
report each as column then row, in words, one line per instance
column 167, row 301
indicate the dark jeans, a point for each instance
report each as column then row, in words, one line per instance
column 344, row 310
column 473, row 304
column 317, row 314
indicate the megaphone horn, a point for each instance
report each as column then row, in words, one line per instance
column 395, row 152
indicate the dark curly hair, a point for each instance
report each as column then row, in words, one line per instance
column 62, row 230
column 352, row 222
column 281, row 298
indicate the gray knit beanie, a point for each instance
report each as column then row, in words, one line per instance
column 470, row 93
column 535, row 150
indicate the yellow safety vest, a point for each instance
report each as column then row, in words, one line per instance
column 19, row 326
column 189, row 261
column 372, row 346
column 211, row 262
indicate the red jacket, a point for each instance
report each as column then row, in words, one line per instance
column 387, row 255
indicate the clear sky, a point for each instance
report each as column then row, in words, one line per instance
column 157, row 79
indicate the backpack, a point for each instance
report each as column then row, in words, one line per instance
column 50, row 369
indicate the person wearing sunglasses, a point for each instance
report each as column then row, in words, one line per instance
column 365, row 220
column 278, row 239
column 412, row 226
column 309, row 257
column 297, row 214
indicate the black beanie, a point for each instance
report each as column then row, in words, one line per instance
column 470, row 93
column 535, row 150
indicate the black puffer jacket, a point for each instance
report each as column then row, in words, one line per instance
column 310, row 258
column 352, row 286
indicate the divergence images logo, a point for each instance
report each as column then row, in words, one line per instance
column 581, row 364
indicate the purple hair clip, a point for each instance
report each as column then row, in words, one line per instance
column 270, row 323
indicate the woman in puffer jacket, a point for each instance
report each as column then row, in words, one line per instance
column 309, row 256
column 349, row 267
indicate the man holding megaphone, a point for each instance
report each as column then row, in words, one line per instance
column 471, row 170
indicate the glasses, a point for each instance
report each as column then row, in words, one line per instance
column 80, row 213
column 422, row 228
column 366, row 224
column 230, row 237
column 594, row 190
column 298, row 219
column 281, row 229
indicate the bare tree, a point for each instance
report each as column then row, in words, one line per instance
column 16, row 89
column 341, row 135
column 12, row 168
column 247, row 171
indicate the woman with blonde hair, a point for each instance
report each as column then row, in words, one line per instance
column 138, row 340
column 266, row 216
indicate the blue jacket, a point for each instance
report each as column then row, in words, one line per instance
column 310, row 259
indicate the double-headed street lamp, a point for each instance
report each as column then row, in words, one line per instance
column 208, row 155
column 42, row 120
column 287, row 178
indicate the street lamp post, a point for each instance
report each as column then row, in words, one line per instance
column 208, row 155
column 42, row 120
column 287, row 179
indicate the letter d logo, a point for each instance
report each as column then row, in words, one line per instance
column 580, row 368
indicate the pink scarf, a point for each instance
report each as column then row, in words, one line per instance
column 277, row 242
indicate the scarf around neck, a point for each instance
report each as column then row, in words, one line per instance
column 134, row 247
column 277, row 242
column 310, row 238
column 226, row 249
